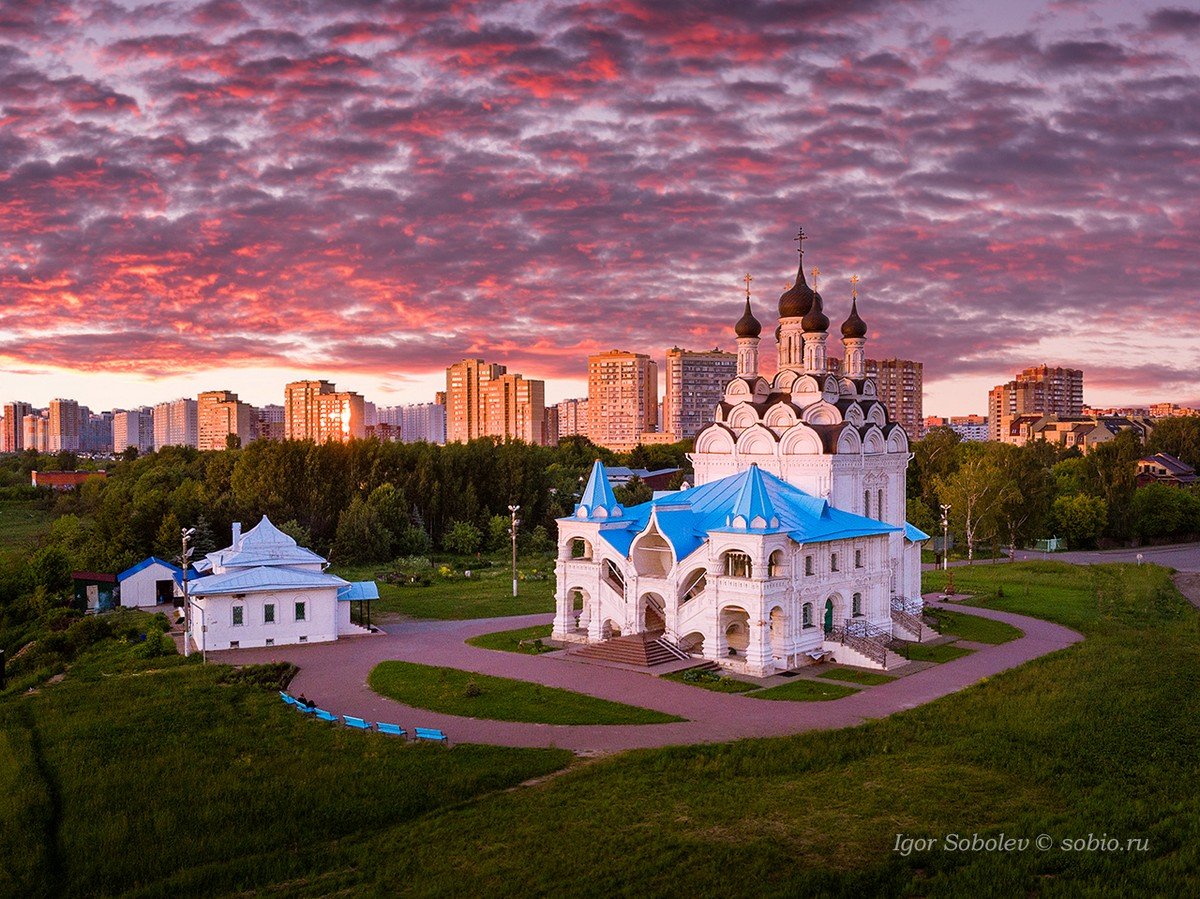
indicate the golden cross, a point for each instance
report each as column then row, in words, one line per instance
column 815, row 271
column 800, row 238
column 748, row 279
column 854, row 286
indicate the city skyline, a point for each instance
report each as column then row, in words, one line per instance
column 226, row 196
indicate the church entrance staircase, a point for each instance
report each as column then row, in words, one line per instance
column 641, row 650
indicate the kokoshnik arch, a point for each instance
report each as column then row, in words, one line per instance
column 792, row 545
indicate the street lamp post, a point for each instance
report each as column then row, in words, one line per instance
column 945, row 536
column 186, row 557
column 512, row 510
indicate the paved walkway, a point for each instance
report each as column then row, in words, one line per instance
column 334, row 675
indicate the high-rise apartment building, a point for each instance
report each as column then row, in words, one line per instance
column 64, row 426
column 268, row 422
column 35, row 432
column 176, row 423
column 133, row 427
column 622, row 398
column 417, row 423
column 696, row 383
column 220, row 414
column 317, row 411
column 899, row 384
column 12, row 437
column 466, row 383
column 572, row 418
column 515, row 409
column 1035, row 391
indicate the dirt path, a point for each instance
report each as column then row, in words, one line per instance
column 1189, row 585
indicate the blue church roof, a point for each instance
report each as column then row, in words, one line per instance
column 598, row 500
column 687, row 517
column 176, row 571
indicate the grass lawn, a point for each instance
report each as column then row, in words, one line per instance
column 803, row 690
column 943, row 652
column 165, row 782
column 486, row 594
column 21, row 523
column 972, row 627
column 710, row 680
column 500, row 698
column 510, row 641
column 854, row 676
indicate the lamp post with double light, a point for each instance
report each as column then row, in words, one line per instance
column 512, row 511
column 186, row 558
column 945, row 536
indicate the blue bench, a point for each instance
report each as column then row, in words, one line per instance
column 324, row 715
column 429, row 733
column 351, row 721
column 290, row 700
column 394, row 729
column 301, row 707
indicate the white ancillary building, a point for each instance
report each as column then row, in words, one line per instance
column 792, row 546
column 265, row 590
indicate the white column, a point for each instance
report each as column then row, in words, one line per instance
column 855, row 364
column 814, row 351
column 747, row 357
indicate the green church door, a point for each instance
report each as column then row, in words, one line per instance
column 828, row 616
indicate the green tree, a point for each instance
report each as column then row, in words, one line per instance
column 634, row 493
column 498, row 526
column 49, row 567
column 297, row 532
column 168, row 541
column 463, row 538
column 361, row 537
column 978, row 493
column 1161, row 511
column 1179, row 437
column 1081, row 519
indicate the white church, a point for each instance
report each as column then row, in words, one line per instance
column 792, row 546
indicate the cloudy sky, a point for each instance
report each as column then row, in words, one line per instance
column 232, row 194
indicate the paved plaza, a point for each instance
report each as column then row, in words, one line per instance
column 334, row 675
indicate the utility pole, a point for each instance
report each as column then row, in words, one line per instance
column 513, row 510
column 187, row 534
column 945, row 536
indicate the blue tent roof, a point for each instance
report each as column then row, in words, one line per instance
column 687, row 517
column 176, row 571
column 598, row 500
column 357, row 590
column 752, row 509
column 914, row 534
column 259, row 580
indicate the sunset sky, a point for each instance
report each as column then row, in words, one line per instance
column 230, row 195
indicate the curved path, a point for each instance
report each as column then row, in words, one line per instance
column 334, row 675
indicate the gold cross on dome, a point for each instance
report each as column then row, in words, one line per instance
column 800, row 238
column 854, row 286
column 748, row 279
column 815, row 272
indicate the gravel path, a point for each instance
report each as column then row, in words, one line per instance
column 334, row 675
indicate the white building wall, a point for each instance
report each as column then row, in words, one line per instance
column 141, row 589
column 215, row 614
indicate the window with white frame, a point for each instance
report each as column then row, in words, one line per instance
column 858, row 562
column 833, row 562
column 806, row 615
column 808, row 564
column 239, row 616
column 856, row 605
column 300, row 611
column 269, row 613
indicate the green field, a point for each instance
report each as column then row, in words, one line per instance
column 711, row 680
column 21, row 523
column 486, row 594
column 856, row 676
column 456, row 692
column 804, row 690
column 972, row 627
column 510, row 641
column 102, row 789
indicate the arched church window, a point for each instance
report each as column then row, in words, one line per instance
column 833, row 562
column 858, row 558
column 856, row 605
column 808, row 565
column 867, row 503
column 879, row 506
column 775, row 565
column 806, row 615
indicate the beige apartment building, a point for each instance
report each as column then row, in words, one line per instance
column 466, row 412
column 622, row 398
column 318, row 411
column 12, row 438
column 515, row 409
column 695, row 384
column 899, row 384
column 572, row 418
column 219, row 414
column 1040, row 390
column 63, row 423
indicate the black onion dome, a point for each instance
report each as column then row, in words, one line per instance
column 797, row 300
column 854, row 326
column 816, row 320
column 747, row 325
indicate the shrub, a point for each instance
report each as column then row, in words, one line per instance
column 268, row 676
column 463, row 538
column 472, row 690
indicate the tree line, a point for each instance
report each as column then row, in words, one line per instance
column 1006, row 497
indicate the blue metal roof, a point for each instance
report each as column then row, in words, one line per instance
column 598, row 500
column 752, row 509
column 358, row 590
column 176, row 571
column 259, row 580
column 914, row 534
column 687, row 517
